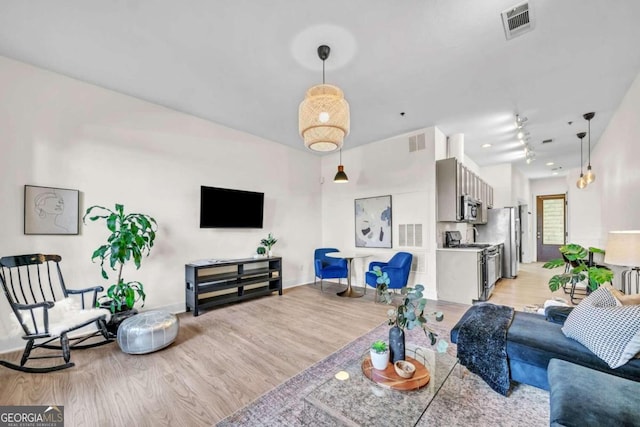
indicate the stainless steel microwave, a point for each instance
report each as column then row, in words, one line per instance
column 470, row 208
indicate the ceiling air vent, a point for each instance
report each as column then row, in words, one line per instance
column 546, row 141
column 517, row 20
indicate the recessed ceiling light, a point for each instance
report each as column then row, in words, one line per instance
column 554, row 173
column 550, row 163
column 486, row 145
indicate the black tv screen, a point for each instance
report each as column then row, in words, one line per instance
column 226, row 208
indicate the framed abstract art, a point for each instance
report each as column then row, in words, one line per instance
column 373, row 222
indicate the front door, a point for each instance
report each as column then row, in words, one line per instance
column 551, row 225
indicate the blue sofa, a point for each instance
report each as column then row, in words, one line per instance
column 582, row 397
column 532, row 342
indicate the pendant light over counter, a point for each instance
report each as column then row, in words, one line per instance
column 582, row 182
column 590, row 176
column 323, row 115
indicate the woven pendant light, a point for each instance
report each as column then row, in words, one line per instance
column 323, row 115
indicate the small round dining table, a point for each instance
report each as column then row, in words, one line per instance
column 349, row 256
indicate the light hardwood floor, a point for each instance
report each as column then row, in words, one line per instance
column 225, row 358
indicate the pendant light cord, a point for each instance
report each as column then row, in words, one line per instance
column 589, row 143
column 581, row 157
column 323, row 71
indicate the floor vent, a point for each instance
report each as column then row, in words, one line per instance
column 517, row 20
column 417, row 142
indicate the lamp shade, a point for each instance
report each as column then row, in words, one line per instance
column 341, row 177
column 323, row 118
column 623, row 248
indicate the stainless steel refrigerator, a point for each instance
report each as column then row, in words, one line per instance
column 503, row 226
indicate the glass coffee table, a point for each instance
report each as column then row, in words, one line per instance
column 358, row 401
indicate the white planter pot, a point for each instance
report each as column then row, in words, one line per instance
column 380, row 361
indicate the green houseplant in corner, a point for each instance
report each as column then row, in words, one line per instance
column 578, row 267
column 131, row 236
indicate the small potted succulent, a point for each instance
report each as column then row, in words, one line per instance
column 380, row 355
column 269, row 242
column 260, row 252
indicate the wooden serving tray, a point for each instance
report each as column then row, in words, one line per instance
column 389, row 377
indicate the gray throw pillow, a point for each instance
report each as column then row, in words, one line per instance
column 610, row 331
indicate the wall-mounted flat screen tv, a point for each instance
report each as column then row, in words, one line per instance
column 227, row 208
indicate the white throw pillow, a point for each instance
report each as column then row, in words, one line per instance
column 610, row 331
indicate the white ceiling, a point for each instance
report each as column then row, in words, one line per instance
column 247, row 63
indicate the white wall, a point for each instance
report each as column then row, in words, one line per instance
column 520, row 188
column 60, row 132
column 378, row 169
column 615, row 162
column 611, row 202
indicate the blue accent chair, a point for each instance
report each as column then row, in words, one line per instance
column 327, row 267
column 397, row 269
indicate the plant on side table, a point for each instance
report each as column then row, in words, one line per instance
column 582, row 267
column 408, row 313
column 269, row 242
column 379, row 355
column 131, row 237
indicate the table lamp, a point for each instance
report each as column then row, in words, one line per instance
column 623, row 248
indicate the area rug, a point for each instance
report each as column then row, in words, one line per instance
column 463, row 400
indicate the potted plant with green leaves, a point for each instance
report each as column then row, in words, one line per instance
column 268, row 242
column 379, row 355
column 131, row 236
column 579, row 267
column 408, row 313
column 260, row 251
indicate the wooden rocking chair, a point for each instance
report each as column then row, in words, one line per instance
column 41, row 303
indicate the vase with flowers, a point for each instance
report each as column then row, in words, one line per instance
column 408, row 313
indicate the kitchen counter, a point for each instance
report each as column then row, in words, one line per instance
column 471, row 249
column 460, row 249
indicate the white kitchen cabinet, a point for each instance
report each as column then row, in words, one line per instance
column 459, row 275
column 454, row 180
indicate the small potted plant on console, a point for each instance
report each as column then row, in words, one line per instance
column 269, row 242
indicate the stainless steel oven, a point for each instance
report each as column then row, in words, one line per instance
column 493, row 267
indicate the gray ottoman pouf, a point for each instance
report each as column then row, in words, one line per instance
column 147, row 332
